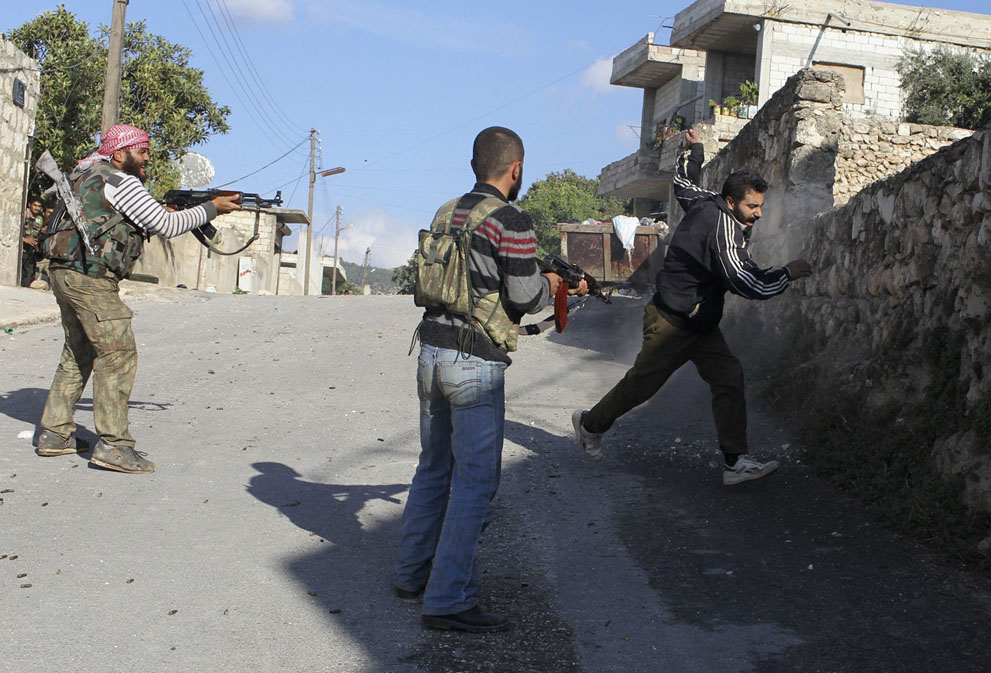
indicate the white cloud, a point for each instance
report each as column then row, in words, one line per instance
column 392, row 241
column 279, row 11
column 596, row 76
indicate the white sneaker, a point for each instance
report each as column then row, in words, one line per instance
column 589, row 442
column 747, row 469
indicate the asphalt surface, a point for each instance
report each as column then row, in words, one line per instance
column 285, row 433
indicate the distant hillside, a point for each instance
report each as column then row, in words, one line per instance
column 379, row 278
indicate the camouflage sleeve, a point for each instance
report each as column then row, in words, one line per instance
column 128, row 196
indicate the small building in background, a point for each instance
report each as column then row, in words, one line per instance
column 257, row 268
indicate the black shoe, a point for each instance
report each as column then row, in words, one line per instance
column 406, row 594
column 472, row 621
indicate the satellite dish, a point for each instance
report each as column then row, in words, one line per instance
column 195, row 171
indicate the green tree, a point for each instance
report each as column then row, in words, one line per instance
column 946, row 88
column 160, row 92
column 72, row 74
column 163, row 95
column 565, row 197
column 404, row 277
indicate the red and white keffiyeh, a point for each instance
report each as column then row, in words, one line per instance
column 117, row 137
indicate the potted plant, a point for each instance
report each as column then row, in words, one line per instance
column 731, row 106
column 715, row 108
column 749, row 93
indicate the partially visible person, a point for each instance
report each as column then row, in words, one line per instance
column 121, row 214
column 460, row 383
column 30, row 232
column 706, row 258
column 42, row 269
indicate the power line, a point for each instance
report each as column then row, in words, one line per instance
column 266, row 129
column 226, row 51
column 265, row 166
column 259, row 80
column 474, row 119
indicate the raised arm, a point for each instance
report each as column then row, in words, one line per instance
column 688, row 172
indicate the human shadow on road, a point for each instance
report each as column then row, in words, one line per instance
column 27, row 404
column 348, row 573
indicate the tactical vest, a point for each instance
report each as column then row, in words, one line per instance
column 117, row 241
column 442, row 274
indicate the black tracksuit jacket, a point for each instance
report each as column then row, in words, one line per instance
column 707, row 256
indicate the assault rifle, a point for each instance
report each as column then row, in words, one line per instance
column 571, row 276
column 180, row 199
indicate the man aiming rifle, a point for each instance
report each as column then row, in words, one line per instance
column 118, row 214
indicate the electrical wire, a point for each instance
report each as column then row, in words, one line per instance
column 473, row 119
column 232, row 60
column 259, row 80
column 265, row 166
column 246, row 106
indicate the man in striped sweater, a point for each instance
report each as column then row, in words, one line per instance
column 707, row 257
column 460, row 383
column 120, row 214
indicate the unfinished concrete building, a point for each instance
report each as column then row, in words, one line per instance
column 718, row 44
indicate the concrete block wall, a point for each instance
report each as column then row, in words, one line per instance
column 16, row 128
column 787, row 47
column 184, row 260
column 737, row 68
column 666, row 98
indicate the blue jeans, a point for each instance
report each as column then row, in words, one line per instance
column 462, row 416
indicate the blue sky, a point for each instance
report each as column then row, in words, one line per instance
column 398, row 91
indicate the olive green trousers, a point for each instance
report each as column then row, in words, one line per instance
column 665, row 349
column 98, row 341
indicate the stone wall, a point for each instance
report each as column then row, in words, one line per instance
column 16, row 127
column 900, row 297
column 907, row 258
column 872, row 149
column 793, row 143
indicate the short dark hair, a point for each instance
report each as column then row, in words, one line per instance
column 494, row 151
column 35, row 198
column 740, row 182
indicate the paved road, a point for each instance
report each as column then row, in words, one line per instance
column 285, row 435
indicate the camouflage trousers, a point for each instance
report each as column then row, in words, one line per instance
column 98, row 341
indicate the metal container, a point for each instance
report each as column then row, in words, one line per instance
column 596, row 249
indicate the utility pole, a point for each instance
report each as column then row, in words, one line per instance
column 309, row 212
column 111, row 92
column 364, row 268
column 337, row 234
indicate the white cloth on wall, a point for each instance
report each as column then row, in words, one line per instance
column 625, row 228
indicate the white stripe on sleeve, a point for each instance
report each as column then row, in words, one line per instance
column 132, row 200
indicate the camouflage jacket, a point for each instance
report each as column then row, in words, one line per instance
column 118, row 241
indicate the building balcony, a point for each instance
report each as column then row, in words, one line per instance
column 637, row 176
column 646, row 65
